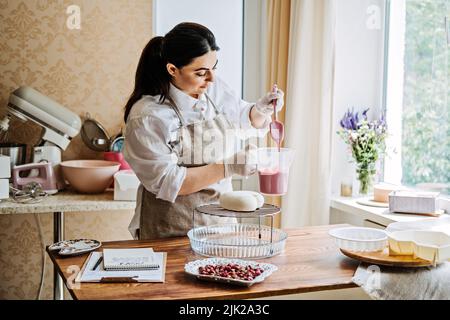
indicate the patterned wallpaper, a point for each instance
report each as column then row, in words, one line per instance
column 90, row 69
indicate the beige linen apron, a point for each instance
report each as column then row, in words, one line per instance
column 162, row 219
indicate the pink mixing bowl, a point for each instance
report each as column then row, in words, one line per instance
column 89, row 176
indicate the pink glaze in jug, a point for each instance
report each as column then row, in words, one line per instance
column 273, row 170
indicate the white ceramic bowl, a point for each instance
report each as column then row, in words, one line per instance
column 359, row 238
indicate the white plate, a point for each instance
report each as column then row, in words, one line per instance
column 192, row 269
column 372, row 203
column 75, row 246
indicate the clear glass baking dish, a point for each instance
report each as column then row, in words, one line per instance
column 251, row 241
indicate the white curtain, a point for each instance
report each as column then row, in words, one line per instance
column 309, row 127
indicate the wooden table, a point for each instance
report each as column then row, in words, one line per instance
column 311, row 262
column 66, row 201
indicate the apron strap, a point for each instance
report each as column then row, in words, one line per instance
column 213, row 104
column 177, row 111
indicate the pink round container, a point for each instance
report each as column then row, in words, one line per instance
column 116, row 157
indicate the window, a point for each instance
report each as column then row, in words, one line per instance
column 417, row 93
column 223, row 18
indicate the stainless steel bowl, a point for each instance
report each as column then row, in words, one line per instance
column 17, row 153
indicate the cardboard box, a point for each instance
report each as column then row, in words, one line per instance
column 4, row 189
column 126, row 185
column 5, row 167
column 413, row 202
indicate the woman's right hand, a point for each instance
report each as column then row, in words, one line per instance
column 198, row 178
column 242, row 163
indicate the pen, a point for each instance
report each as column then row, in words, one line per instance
column 98, row 263
column 119, row 279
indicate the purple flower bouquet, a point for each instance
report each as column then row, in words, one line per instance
column 366, row 140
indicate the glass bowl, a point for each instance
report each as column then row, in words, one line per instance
column 250, row 241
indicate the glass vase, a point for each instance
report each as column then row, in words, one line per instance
column 365, row 173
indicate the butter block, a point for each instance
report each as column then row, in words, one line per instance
column 4, row 189
column 126, row 184
column 5, row 167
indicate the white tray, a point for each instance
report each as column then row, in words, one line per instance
column 441, row 224
column 192, row 269
column 433, row 246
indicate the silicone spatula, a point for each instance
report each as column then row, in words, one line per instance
column 276, row 127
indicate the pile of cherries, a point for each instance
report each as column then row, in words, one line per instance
column 231, row 270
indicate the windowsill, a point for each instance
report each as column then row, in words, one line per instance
column 381, row 216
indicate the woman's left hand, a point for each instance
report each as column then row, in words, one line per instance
column 264, row 104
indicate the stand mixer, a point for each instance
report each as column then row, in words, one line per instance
column 59, row 125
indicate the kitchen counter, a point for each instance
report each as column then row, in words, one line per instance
column 310, row 262
column 68, row 201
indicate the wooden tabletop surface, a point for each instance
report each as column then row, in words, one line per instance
column 310, row 262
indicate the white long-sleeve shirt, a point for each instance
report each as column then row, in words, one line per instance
column 151, row 126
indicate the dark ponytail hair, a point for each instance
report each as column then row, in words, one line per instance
column 180, row 46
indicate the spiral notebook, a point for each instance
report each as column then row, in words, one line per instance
column 93, row 271
column 129, row 259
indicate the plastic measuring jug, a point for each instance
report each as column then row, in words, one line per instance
column 273, row 170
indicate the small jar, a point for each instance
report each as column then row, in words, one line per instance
column 346, row 187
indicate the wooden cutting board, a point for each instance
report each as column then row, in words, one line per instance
column 383, row 258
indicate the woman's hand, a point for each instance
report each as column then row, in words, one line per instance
column 242, row 163
column 265, row 106
column 261, row 113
